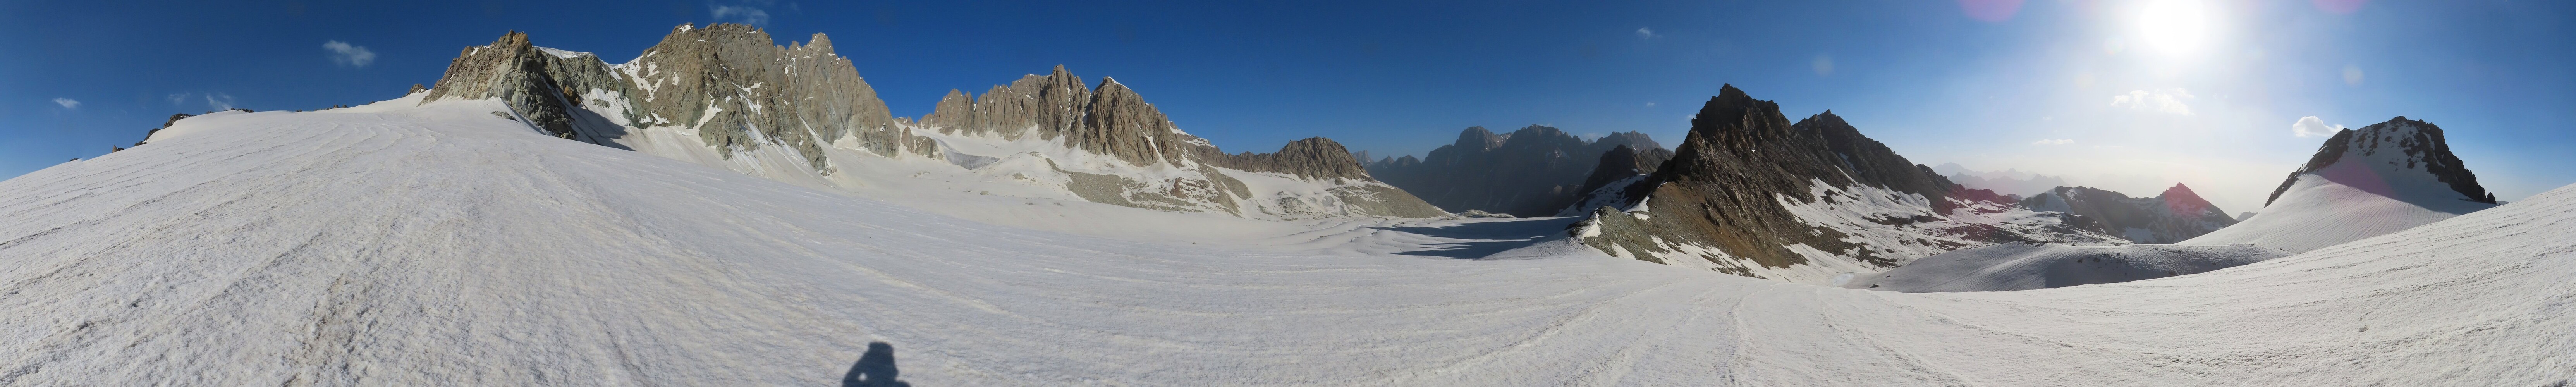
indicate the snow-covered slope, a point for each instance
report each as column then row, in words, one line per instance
column 438, row 245
column 2363, row 182
column 2025, row 266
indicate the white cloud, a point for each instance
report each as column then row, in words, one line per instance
column 744, row 14
column 178, row 98
column 219, row 101
column 2310, row 126
column 343, row 53
column 1647, row 33
column 2162, row 101
column 2061, row 141
column 67, row 103
column 1650, row 104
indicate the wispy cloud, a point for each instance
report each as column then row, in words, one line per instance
column 741, row 13
column 219, row 101
column 67, row 103
column 1647, row 33
column 2061, row 141
column 2311, row 126
column 179, row 98
column 346, row 54
column 2162, row 101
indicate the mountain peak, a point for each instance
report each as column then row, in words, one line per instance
column 2396, row 149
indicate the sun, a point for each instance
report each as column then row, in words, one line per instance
column 2176, row 27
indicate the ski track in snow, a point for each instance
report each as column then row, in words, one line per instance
column 409, row 246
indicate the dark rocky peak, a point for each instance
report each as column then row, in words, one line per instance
column 1622, row 162
column 1545, row 140
column 1872, row 162
column 2399, row 144
column 2181, row 200
column 1739, row 140
column 1533, row 171
column 1477, row 138
column 1630, row 139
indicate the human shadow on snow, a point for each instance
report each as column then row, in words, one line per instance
column 1485, row 238
column 874, row 369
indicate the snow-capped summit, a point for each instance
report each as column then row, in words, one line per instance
column 2363, row 182
column 726, row 95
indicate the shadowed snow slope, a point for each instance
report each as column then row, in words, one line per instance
column 2025, row 266
column 436, row 245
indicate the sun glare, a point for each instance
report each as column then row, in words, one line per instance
column 2175, row 27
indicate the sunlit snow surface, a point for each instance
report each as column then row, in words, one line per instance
column 440, row 246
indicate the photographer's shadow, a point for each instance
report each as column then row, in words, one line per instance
column 874, row 369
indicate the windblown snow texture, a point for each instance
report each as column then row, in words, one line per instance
column 439, row 245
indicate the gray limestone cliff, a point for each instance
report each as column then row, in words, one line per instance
column 731, row 83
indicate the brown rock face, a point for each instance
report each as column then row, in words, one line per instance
column 1049, row 104
column 1114, row 120
column 514, row 71
column 1312, row 158
column 1729, row 186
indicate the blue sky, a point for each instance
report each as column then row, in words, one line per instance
column 2128, row 95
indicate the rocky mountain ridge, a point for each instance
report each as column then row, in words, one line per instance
column 1534, row 171
column 728, row 90
column 2174, row 215
column 1750, row 193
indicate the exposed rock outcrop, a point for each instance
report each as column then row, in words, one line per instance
column 514, row 71
column 2172, row 216
column 1750, row 193
column 727, row 82
column 1113, row 120
column 1623, row 162
column 1534, row 171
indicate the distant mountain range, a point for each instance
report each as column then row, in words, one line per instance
column 1535, row 171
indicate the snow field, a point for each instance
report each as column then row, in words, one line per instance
column 440, row 246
